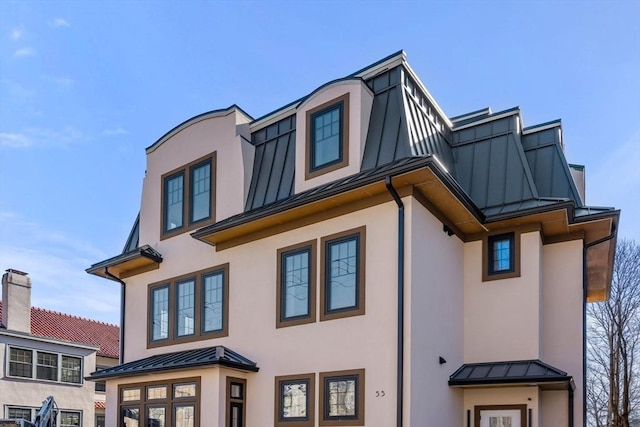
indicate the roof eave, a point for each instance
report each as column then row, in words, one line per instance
column 133, row 262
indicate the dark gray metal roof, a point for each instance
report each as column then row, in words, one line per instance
column 134, row 236
column 511, row 372
column 210, row 356
column 491, row 165
column 273, row 164
column 548, row 165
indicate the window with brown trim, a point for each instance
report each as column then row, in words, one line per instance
column 342, row 398
column 295, row 401
column 189, row 308
column 169, row 403
column 236, row 410
column 501, row 256
column 327, row 137
column 296, row 285
column 188, row 197
column 342, row 260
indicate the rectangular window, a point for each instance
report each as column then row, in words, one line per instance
column 19, row 413
column 69, row 419
column 71, row 369
column 296, row 285
column 186, row 308
column 501, row 256
column 327, row 137
column 47, row 366
column 342, row 398
column 343, row 258
column 236, row 411
column 160, row 313
column 100, row 420
column 169, row 403
column 189, row 308
column 295, row 401
column 20, row 363
column 188, row 197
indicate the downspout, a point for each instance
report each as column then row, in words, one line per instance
column 123, row 298
column 571, row 410
column 400, row 343
column 584, row 319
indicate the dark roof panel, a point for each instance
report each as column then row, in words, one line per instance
column 210, row 356
column 510, row 372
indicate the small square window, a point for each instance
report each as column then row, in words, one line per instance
column 295, row 401
column 327, row 137
column 501, row 256
column 342, row 398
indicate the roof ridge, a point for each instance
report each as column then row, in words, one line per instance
column 73, row 316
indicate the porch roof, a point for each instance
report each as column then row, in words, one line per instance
column 188, row 359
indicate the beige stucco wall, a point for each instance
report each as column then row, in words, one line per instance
column 31, row 392
column 502, row 317
column 562, row 324
column 360, row 103
column 434, row 326
column 341, row 344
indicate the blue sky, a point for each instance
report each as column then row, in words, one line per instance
column 85, row 86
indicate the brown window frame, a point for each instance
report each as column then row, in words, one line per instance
column 522, row 408
column 169, row 403
column 281, row 320
column 359, row 309
column 310, row 379
column 324, row 377
column 187, row 175
column 488, row 274
column 311, row 172
column 229, row 401
column 199, row 332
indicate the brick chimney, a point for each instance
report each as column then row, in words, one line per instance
column 16, row 301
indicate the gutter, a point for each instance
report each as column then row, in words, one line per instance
column 123, row 299
column 400, row 343
column 584, row 323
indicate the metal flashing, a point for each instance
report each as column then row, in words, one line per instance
column 542, row 126
column 477, row 113
column 428, row 95
column 494, row 116
column 381, row 65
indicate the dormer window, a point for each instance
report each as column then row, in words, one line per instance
column 327, row 137
column 188, row 196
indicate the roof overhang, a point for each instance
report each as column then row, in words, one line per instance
column 511, row 374
column 178, row 361
column 128, row 264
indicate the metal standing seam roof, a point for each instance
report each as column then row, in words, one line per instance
column 210, row 356
column 510, row 372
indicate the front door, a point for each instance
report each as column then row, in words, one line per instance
column 501, row 416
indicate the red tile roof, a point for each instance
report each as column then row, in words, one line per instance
column 65, row 327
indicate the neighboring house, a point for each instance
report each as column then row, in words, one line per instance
column 46, row 353
column 302, row 268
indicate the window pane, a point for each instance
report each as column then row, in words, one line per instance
column 296, row 284
column 294, row 400
column 101, row 386
column 71, row 369
column 131, row 394
column 502, row 255
column 160, row 315
column 213, row 302
column 236, row 391
column 341, row 397
column 326, row 137
column 20, row 363
column 69, row 419
column 343, row 267
column 174, row 190
column 130, row 417
column 184, row 390
column 184, row 416
column 156, row 416
column 186, row 308
column 201, row 192
column 157, row 392
column 19, row 413
column 100, row 421
column 47, row 366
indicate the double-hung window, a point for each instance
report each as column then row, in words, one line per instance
column 71, row 369
column 296, row 285
column 47, row 366
column 188, row 196
column 295, row 402
column 342, row 274
column 20, row 363
column 342, row 398
column 327, row 137
column 188, row 308
column 44, row 365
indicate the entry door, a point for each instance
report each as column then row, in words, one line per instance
column 500, row 418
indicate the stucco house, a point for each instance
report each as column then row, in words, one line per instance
column 358, row 258
column 47, row 353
